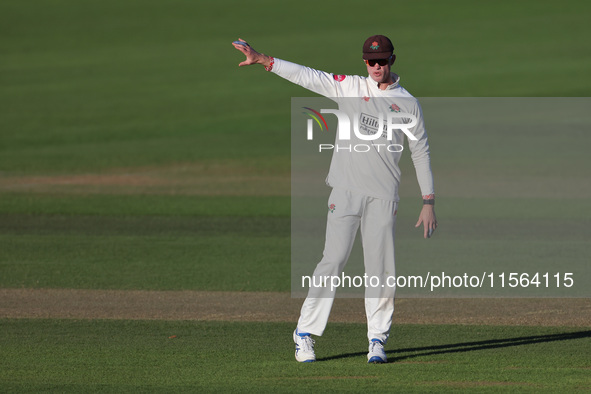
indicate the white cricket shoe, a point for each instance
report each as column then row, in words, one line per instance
column 304, row 349
column 376, row 354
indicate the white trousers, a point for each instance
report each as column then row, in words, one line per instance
column 377, row 219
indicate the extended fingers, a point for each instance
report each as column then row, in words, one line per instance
column 240, row 47
column 431, row 228
column 240, row 44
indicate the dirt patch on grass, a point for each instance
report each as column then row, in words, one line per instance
column 280, row 307
column 328, row 377
column 230, row 177
column 475, row 384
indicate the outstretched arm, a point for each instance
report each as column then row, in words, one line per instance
column 323, row 83
column 252, row 56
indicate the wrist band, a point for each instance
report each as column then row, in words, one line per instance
column 430, row 201
column 270, row 66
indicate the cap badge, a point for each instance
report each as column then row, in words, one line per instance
column 374, row 45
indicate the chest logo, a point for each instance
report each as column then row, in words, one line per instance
column 394, row 108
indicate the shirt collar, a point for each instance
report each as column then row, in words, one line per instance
column 395, row 78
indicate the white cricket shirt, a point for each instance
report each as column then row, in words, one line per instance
column 374, row 173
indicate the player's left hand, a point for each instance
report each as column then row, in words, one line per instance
column 428, row 219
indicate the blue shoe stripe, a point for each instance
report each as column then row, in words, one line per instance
column 302, row 334
column 376, row 359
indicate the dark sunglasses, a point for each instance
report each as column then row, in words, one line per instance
column 381, row 62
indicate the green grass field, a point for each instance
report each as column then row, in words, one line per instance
column 205, row 357
column 135, row 154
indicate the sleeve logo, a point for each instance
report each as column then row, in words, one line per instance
column 339, row 78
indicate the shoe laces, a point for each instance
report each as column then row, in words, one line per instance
column 306, row 343
column 378, row 344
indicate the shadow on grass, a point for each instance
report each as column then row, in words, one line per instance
column 396, row 355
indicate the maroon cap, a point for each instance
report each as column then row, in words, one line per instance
column 377, row 47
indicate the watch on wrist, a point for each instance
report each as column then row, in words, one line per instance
column 430, row 201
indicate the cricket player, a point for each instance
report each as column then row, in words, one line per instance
column 364, row 186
